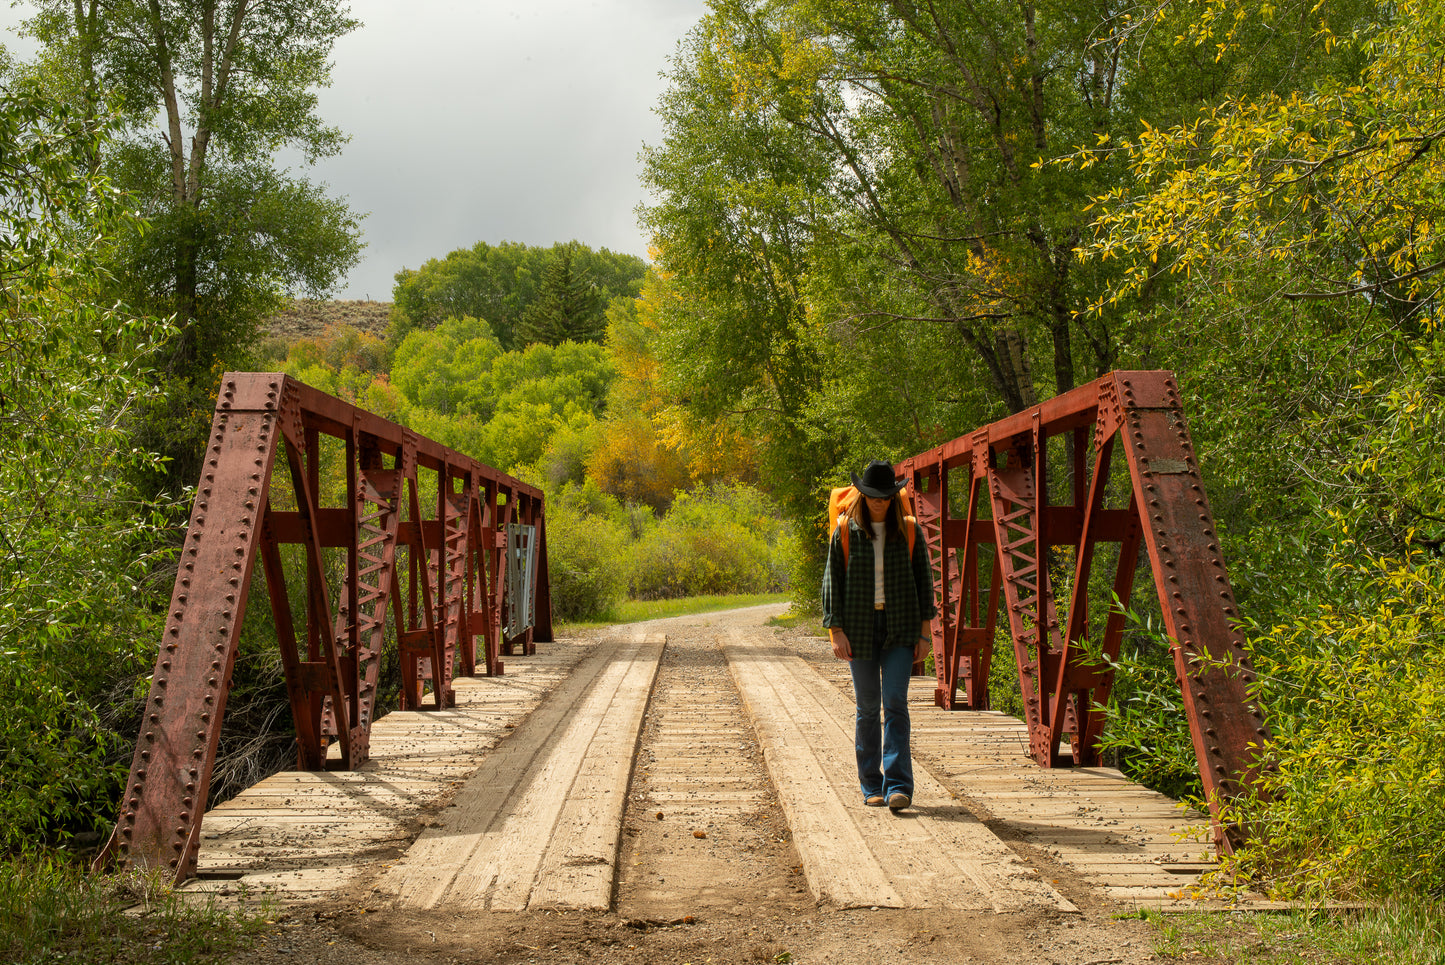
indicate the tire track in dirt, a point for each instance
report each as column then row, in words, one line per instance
column 703, row 832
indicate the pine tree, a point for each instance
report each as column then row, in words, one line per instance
column 568, row 307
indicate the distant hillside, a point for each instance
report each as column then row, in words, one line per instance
column 308, row 318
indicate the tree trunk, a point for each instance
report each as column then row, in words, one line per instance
column 1018, row 375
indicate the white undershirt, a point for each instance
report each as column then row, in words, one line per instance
column 877, row 564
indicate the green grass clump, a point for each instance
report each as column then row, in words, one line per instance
column 52, row 911
column 1394, row 933
column 795, row 618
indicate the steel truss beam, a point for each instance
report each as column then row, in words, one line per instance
column 438, row 572
column 1006, row 550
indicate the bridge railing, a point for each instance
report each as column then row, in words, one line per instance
column 1021, row 534
column 417, row 545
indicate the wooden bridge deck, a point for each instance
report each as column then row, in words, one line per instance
column 514, row 799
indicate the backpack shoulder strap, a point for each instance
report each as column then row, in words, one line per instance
column 843, row 535
column 912, row 525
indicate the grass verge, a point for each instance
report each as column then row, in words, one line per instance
column 1395, row 933
column 52, row 911
column 635, row 611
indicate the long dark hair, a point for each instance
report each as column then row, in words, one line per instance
column 892, row 520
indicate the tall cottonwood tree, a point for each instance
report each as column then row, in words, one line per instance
column 1303, row 227
column 900, row 151
column 916, row 131
column 208, row 91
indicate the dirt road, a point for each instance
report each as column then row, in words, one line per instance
column 728, row 850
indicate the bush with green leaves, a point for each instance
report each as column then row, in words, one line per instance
column 724, row 539
column 1352, row 802
column 76, row 627
column 52, row 911
column 1147, row 735
column 586, row 553
column 1355, row 693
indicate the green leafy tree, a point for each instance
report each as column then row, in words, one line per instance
column 1297, row 232
column 502, row 408
column 210, row 91
column 492, row 282
column 834, row 173
column 1300, row 227
column 532, row 395
column 736, row 349
column 894, row 148
column 439, row 369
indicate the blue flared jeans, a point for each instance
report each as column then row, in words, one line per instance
column 885, row 765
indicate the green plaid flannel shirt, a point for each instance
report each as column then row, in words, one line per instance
column 848, row 591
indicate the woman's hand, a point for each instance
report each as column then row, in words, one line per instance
column 842, row 649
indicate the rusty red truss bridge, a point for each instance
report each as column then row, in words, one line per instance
column 376, row 541
column 1030, row 541
column 390, row 534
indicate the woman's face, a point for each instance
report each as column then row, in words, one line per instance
column 878, row 508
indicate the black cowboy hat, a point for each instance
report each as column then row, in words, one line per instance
column 878, row 480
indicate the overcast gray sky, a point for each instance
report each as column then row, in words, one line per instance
column 491, row 120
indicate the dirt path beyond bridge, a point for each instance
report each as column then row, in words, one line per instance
column 682, row 791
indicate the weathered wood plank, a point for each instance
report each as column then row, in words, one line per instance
column 581, row 859
column 493, row 850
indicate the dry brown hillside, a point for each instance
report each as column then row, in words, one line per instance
column 309, row 317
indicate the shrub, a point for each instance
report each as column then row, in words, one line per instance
column 51, row 911
column 586, row 553
column 1147, row 735
column 77, row 614
column 1356, row 699
column 677, row 561
column 724, row 539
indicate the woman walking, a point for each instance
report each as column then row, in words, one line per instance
column 878, row 607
